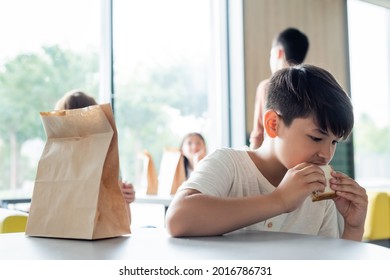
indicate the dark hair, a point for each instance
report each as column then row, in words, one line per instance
column 295, row 45
column 306, row 90
column 75, row 99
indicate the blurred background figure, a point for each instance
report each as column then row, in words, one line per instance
column 193, row 147
column 76, row 99
column 288, row 48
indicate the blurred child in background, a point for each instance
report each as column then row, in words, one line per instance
column 193, row 147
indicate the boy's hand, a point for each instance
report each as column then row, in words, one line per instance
column 298, row 183
column 351, row 201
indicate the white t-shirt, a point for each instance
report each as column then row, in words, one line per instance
column 232, row 173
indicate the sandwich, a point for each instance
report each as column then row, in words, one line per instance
column 328, row 192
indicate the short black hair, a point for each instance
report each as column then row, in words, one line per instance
column 305, row 90
column 295, row 45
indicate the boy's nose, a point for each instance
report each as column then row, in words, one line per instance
column 326, row 153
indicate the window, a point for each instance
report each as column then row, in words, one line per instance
column 369, row 37
column 161, row 77
column 48, row 48
column 163, row 83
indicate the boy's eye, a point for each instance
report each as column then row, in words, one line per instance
column 315, row 139
column 335, row 142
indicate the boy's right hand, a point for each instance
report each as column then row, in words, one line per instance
column 298, row 183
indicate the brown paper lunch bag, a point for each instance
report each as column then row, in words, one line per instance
column 150, row 176
column 76, row 193
column 172, row 171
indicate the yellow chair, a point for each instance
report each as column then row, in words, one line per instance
column 12, row 221
column 377, row 226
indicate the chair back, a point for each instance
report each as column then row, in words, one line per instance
column 12, row 221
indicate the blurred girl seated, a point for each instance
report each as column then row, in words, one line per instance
column 193, row 147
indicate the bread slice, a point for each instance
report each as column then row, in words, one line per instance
column 328, row 192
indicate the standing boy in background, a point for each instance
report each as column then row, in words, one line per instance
column 288, row 48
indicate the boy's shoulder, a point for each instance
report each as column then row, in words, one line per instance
column 233, row 153
column 243, row 149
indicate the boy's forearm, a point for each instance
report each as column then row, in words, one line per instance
column 202, row 215
column 256, row 139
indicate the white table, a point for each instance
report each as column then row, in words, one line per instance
column 155, row 244
column 163, row 199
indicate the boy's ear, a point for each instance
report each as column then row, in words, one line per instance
column 271, row 122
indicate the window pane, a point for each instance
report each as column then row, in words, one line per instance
column 48, row 48
column 369, row 36
column 161, row 68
